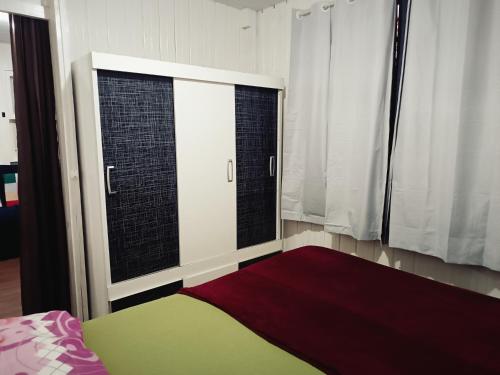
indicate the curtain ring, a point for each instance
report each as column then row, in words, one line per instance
column 326, row 7
column 301, row 15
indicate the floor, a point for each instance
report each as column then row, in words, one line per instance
column 10, row 288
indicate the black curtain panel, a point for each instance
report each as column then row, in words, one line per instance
column 400, row 37
column 44, row 253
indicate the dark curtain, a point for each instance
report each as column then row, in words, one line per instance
column 400, row 37
column 44, row 253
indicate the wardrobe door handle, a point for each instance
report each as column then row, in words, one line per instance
column 272, row 166
column 230, row 170
column 108, row 179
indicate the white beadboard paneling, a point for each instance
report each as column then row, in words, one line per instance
column 125, row 27
column 208, row 7
column 347, row 244
column 97, row 25
column 264, row 54
column 305, row 229
column 486, row 281
column 182, row 32
column 291, row 235
column 273, row 37
column 317, row 235
column 332, row 240
column 432, row 268
column 365, row 249
column 133, row 39
column 166, row 12
column 151, row 29
column 233, row 37
column 383, row 254
column 457, row 275
column 75, row 29
column 247, row 34
column 279, row 26
column 198, row 38
column 404, row 260
column 227, row 36
column 221, row 55
column 198, row 32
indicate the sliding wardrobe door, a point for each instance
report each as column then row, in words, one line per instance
column 138, row 140
column 256, row 160
column 204, row 121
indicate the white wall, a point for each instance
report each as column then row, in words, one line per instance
column 199, row 32
column 35, row 2
column 273, row 37
column 273, row 51
column 8, row 137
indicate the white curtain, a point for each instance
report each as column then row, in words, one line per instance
column 337, row 118
column 304, row 146
column 446, row 169
column 358, row 121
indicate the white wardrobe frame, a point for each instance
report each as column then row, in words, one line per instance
column 101, row 291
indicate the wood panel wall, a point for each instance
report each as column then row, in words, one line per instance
column 199, row 32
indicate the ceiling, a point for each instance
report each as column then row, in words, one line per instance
column 4, row 28
column 252, row 4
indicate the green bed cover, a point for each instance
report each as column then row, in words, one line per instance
column 182, row 335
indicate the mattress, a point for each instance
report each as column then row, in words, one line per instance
column 183, row 335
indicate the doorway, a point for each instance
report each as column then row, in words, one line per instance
column 30, row 177
column 10, row 288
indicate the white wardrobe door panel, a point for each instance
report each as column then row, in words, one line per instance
column 206, row 153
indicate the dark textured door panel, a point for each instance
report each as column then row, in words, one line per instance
column 138, row 137
column 256, row 143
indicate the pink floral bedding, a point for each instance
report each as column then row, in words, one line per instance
column 47, row 343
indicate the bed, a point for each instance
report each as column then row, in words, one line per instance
column 306, row 311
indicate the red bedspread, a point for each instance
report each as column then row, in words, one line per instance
column 350, row 316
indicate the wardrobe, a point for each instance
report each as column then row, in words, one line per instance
column 180, row 170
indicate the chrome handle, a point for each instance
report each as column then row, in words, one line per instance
column 229, row 170
column 108, row 179
column 272, row 166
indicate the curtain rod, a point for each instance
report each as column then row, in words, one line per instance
column 307, row 12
